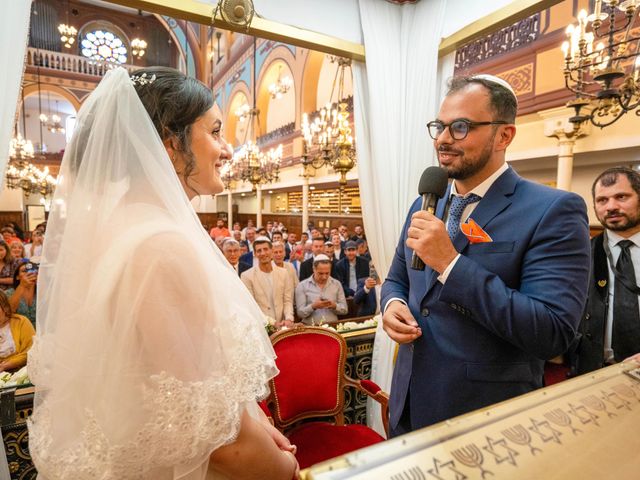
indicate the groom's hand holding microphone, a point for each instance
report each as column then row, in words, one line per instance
column 428, row 238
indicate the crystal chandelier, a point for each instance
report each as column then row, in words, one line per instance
column 604, row 76
column 53, row 124
column 242, row 112
column 138, row 47
column 257, row 167
column 254, row 165
column 282, row 86
column 22, row 174
column 229, row 173
column 20, row 148
column 28, row 177
column 67, row 34
column 328, row 139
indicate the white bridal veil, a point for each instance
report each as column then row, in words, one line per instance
column 148, row 346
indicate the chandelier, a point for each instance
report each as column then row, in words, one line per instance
column 22, row 174
column 20, row 148
column 229, row 173
column 327, row 140
column 67, row 34
column 28, row 177
column 138, row 47
column 252, row 164
column 257, row 167
column 282, row 86
column 604, row 76
column 242, row 112
column 53, row 124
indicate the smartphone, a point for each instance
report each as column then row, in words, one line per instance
column 32, row 267
column 372, row 271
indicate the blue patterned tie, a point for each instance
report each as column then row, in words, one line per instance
column 458, row 204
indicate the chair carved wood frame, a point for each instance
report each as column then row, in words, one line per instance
column 318, row 381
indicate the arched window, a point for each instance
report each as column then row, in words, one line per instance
column 104, row 46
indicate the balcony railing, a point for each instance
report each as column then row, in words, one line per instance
column 64, row 62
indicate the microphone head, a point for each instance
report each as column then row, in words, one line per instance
column 433, row 181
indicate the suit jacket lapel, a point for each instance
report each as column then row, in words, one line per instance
column 495, row 201
column 600, row 267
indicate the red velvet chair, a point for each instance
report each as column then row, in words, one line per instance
column 310, row 385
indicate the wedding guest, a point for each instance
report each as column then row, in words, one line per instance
column 320, row 298
column 279, row 260
column 219, row 230
column 16, row 337
column 8, row 234
column 270, row 285
column 33, row 250
column 7, row 266
column 23, row 295
column 231, row 251
column 17, row 249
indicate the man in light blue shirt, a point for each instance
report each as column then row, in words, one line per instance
column 320, row 298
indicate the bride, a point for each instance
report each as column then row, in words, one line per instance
column 149, row 354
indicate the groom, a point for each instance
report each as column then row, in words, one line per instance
column 476, row 325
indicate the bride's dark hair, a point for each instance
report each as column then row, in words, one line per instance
column 174, row 102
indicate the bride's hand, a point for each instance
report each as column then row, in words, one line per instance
column 281, row 441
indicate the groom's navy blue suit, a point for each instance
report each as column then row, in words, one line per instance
column 505, row 307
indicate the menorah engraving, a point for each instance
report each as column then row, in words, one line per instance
column 471, row 456
column 560, row 418
column 594, row 403
column 413, row 473
column 520, row 436
column 625, row 391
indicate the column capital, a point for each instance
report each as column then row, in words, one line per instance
column 565, row 131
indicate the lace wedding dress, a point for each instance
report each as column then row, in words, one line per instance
column 148, row 347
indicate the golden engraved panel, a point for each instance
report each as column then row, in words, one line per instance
column 569, row 430
column 520, row 78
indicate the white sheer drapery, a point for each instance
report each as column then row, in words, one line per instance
column 13, row 45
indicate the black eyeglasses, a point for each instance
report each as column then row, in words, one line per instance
column 458, row 129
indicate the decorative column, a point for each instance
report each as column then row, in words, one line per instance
column 567, row 134
column 229, row 211
column 565, row 161
column 259, row 210
column 305, row 203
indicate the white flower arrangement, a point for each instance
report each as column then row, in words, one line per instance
column 21, row 377
column 347, row 326
column 269, row 324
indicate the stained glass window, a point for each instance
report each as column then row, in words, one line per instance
column 104, row 46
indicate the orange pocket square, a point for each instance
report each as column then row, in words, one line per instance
column 474, row 233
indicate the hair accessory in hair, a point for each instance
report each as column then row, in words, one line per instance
column 143, row 79
column 497, row 80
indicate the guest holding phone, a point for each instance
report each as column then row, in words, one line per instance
column 320, row 298
column 22, row 297
column 367, row 296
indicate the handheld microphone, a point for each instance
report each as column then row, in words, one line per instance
column 432, row 186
